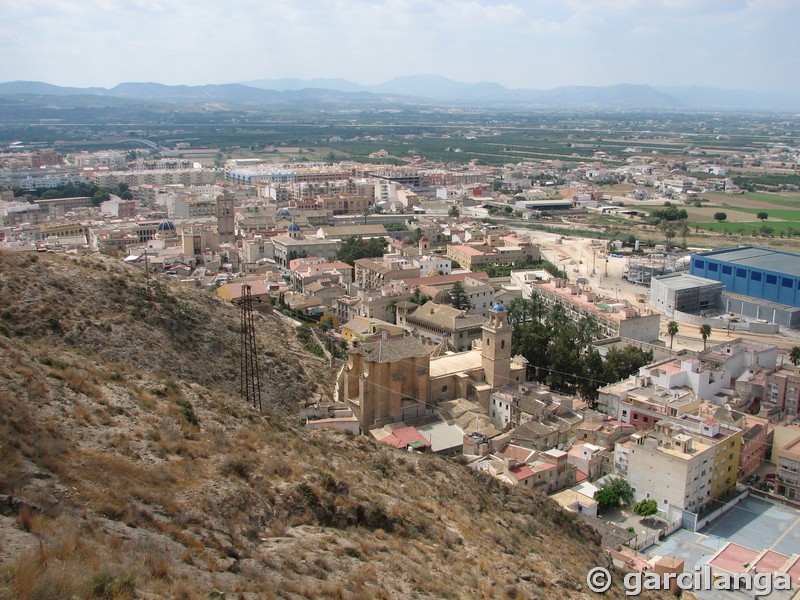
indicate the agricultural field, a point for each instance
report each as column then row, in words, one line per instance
column 782, row 210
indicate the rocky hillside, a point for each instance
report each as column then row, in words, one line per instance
column 130, row 468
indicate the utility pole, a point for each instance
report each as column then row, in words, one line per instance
column 146, row 271
column 250, row 384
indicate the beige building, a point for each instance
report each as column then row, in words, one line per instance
column 394, row 380
column 440, row 323
column 372, row 273
column 683, row 464
column 787, row 484
column 474, row 256
column 365, row 328
column 344, row 204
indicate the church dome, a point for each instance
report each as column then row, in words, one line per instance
column 166, row 225
column 282, row 213
column 498, row 307
column 443, row 297
column 294, row 227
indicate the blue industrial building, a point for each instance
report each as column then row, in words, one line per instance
column 763, row 273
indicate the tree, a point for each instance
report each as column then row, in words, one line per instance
column 646, row 508
column 587, row 331
column 518, row 311
column 453, row 211
column 459, row 297
column 762, row 216
column 683, row 228
column 705, row 333
column 720, row 216
column 669, row 230
column 613, row 492
column 621, row 364
column 592, row 377
column 356, row 247
column 417, row 297
column 606, row 498
column 672, row 331
column 794, row 355
column 99, row 196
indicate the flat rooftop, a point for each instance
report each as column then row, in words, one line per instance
column 684, row 281
column 456, row 363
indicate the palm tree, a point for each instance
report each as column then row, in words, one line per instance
column 669, row 230
column 705, row 333
column 453, row 211
column 794, row 355
column 672, row 331
column 683, row 229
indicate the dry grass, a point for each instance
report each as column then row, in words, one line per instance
column 174, row 487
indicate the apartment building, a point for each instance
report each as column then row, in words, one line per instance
column 674, row 386
column 684, row 464
column 373, row 273
column 475, row 256
column 344, row 204
column 788, row 471
column 305, row 271
column 286, row 247
column 110, row 179
column 614, row 318
column 782, row 391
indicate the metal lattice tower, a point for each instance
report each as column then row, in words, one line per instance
column 250, row 383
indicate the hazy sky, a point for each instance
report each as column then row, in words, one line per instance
column 739, row 44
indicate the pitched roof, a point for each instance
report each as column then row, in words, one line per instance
column 392, row 350
column 445, row 316
column 404, row 437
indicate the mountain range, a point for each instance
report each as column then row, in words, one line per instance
column 423, row 90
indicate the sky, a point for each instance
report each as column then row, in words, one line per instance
column 539, row 44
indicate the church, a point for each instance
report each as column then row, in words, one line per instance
column 393, row 380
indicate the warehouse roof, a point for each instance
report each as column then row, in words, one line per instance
column 757, row 258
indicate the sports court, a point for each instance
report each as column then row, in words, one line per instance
column 753, row 523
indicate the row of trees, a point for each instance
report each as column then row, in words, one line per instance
column 74, row 190
column 672, row 331
column 559, row 350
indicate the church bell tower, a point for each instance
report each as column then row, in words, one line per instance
column 496, row 347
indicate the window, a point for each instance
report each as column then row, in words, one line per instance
column 786, row 282
column 700, row 264
column 444, row 388
column 741, row 272
column 713, row 267
column 772, row 279
column 726, row 270
column 502, row 344
column 755, row 275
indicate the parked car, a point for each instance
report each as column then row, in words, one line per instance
column 770, row 477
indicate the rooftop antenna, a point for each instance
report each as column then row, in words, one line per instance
column 250, row 385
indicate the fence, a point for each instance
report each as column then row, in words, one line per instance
column 695, row 522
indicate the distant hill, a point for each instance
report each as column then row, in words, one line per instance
column 131, row 468
column 421, row 90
